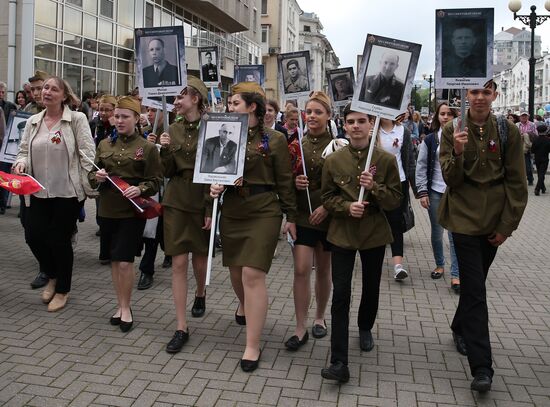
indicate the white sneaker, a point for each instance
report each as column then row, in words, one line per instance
column 399, row 273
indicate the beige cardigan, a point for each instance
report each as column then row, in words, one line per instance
column 81, row 140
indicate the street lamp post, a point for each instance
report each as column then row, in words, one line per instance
column 430, row 80
column 532, row 20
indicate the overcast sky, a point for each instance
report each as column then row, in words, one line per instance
column 346, row 23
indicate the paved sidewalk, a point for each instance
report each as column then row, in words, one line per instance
column 75, row 358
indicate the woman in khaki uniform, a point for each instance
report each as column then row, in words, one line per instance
column 137, row 162
column 311, row 228
column 252, row 215
column 187, row 207
column 357, row 226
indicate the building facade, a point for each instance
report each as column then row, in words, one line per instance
column 322, row 55
column 90, row 43
column 280, row 21
column 512, row 44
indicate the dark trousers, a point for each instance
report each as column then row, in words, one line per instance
column 528, row 167
column 4, row 193
column 343, row 261
column 475, row 255
column 395, row 219
column 52, row 222
column 542, row 167
column 104, row 241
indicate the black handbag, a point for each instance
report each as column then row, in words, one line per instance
column 408, row 217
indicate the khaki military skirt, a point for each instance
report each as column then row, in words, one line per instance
column 249, row 242
column 183, row 232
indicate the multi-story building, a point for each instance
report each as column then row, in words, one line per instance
column 91, row 42
column 322, row 55
column 512, row 44
column 280, row 20
column 513, row 84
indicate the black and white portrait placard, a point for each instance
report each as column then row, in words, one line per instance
column 210, row 66
column 464, row 47
column 221, row 148
column 341, row 83
column 386, row 76
column 13, row 136
column 160, row 61
column 249, row 73
column 294, row 74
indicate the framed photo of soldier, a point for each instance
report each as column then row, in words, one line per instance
column 341, row 83
column 464, row 47
column 249, row 73
column 452, row 97
column 386, row 76
column 294, row 74
column 221, row 148
column 210, row 67
column 160, row 61
column 12, row 137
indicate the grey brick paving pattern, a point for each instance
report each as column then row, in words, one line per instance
column 75, row 358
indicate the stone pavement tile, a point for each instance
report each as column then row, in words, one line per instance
column 239, row 397
column 177, row 399
column 376, row 401
column 114, row 401
column 270, row 395
column 209, row 397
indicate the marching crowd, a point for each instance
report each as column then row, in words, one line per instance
column 468, row 173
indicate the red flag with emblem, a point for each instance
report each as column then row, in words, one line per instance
column 151, row 208
column 19, row 184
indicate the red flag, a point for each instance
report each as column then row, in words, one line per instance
column 151, row 208
column 19, row 184
column 296, row 157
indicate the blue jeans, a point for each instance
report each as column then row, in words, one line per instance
column 437, row 235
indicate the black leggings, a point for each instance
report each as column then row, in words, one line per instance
column 51, row 224
column 395, row 219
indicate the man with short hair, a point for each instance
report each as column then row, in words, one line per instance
column 219, row 153
column 7, row 106
column 541, row 149
column 483, row 204
column 465, row 59
column 161, row 72
column 209, row 70
column 528, row 131
column 384, row 88
column 36, row 82
column 295, row 80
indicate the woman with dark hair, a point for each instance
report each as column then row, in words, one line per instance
column 431, row 187
column 396, row 139
column 311, row 245
column 187, row 207
column 252, row 215
column 136, row 161
column 21, row 99
column 50, row 151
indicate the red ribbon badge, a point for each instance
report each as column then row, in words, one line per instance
column 372, row 170
column 139, row 154
column 56, row 138
column 492, row 146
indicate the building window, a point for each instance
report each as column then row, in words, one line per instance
column 149, row 15
column 254, row 20
column 264, row 7
column 75, row 2
column 106, row 8
column 307, row 28
column 265, row 34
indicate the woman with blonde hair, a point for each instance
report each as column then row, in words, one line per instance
column 50, row 151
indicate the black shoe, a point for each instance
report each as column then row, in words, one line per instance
column 336, row 371
column 530, row 183
column 125, row 326
column 114, row 321
column 460, row 344
column 319, row 331
column 250, row 365
column 482, row 382
column 537, row 193
column 2, row 211
column 145, row 281
column 366, row 342
column 104, row 262
column 40, row 281
column 177, row 341
column 167, row 262
column 294, row 343
column 543, row 190
column 199, row 307
column 240, row 319
column 456, row 288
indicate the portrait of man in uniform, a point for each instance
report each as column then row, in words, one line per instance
column 464, row 51
column 294, row 79
column 219, row 153
column 160, row 72
column 209, row 69
column 384, row 88
column 342, row 87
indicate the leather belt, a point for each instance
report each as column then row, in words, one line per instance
column 251, row 190
column 484, row 184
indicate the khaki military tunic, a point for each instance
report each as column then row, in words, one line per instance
column 33, row 108
column 137, row 162
column 186, row 204
column 251, row 222
column 313, row 147
column 341, row 188
column 486, row 190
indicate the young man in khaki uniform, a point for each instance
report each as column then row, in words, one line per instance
column 483, row 204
